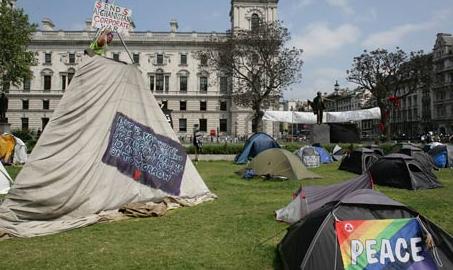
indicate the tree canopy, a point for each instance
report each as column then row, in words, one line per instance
column 258, row 64
column 15, row 35
column 390, row 76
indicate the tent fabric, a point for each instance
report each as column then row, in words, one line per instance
column 107, row 144
column 5, row 180
column 415, row 152
column 338, row 153
column 358, row 161
column 324, row 155
column 257, row 143
column 328, row 117
column 310, row 198
column 20, row 152
column 280, row 162
column 7, row 144
column 403, row 171
column 376, row 149
column 309, row 156
column 311, row 243
column 439, row 155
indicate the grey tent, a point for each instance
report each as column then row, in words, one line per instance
column 403, row 171
column 358, row 161
column 310, row 198
column 309, row 156
column 313, row 242
column 280, row 162
column 107, row 145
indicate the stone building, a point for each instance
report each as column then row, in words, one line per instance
column 171, row 72
column 442, row 89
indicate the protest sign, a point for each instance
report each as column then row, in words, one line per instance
column 109, row 16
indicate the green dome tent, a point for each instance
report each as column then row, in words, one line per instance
column 280, row 162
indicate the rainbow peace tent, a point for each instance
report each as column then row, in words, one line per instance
column 365, row 230
column 107, row 146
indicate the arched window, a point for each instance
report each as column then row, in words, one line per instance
column 255, row 22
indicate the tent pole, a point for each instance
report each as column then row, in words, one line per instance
column 125, row 47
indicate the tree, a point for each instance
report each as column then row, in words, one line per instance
column 15, row 35
column 258, row 64
column 385, row 73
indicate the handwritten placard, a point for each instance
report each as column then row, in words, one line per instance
column 149, row 158
column 114, row 18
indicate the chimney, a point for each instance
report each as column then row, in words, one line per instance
column 47, row 24
column 173, row 25
column 88, row 25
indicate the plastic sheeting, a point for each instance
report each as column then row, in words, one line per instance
column 328, row 117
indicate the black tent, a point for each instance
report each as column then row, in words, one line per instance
column 415, row 152
column 376, row 149
column 403, row 171
column 358, row 161
column 313, row 242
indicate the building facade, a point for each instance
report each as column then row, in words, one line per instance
column 171, row 70
column 442, row 89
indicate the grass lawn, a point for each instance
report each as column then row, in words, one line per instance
column 236, row 231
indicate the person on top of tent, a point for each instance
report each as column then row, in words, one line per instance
column 99, row 46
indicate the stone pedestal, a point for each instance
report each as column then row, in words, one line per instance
column 320, row 134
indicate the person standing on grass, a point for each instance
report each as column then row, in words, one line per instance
column 196, row 140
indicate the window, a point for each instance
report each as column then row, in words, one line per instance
column 47, row 82
column 223, row 84
column 167, row 80
column 136, row 58
column 159, row 82
column 183, row 59
column 203, row 84
column 223, row 125
column 203, row 125
column 160, row 59
column 223, row 105
column 44, row 122
column 70, row 75
column 254, row 22
column 63, row 82
column 204, row 60
column 24, row 104
column 24, row 121
column 27, row 85
column 203, row 105
column 182, row 105
column 183, row 83
column 116, row 56
column 151, row 83
column 183, row 125
column 45, row 104
column 71, row 58
column 164, row 104
column 47, row 58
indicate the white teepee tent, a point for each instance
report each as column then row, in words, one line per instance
column 108, row 144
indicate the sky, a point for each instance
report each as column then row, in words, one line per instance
column 331, row 32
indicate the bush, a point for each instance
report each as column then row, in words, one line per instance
column 23, row 134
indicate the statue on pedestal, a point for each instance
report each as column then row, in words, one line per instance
column 318, row 107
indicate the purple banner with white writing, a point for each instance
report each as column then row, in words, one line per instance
column 149, row 158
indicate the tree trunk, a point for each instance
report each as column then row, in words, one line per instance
column 384, row 125
column 257, row 122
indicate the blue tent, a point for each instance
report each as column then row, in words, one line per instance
column 439, row 153
column 257, row 143
column 324, row 155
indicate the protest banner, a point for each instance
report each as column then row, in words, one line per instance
column 383, row 244
column 109, row 16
